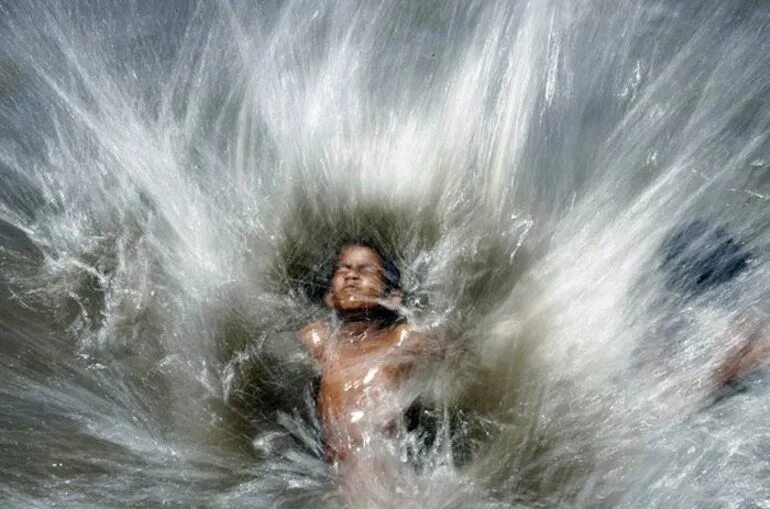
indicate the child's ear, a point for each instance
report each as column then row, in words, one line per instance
column 329, row 300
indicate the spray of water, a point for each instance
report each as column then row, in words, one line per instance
column 176, row 179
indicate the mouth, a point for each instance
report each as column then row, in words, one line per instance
column 356, row 293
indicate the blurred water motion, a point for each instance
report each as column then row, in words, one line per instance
column 175, row 178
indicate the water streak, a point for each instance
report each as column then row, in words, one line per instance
column 175, row 179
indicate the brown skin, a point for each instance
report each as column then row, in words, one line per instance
column 750, row 337
column 367, row 361
column 753, row 352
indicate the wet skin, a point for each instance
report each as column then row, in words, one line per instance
column 365, row 362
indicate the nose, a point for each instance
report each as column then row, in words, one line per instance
column 352, row 275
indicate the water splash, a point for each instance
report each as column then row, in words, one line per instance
column 176, row 178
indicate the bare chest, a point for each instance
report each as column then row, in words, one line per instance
column 364, row 349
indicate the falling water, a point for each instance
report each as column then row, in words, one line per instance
column 176, row 178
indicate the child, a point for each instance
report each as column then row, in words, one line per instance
column 700, row 257
column 367, row 354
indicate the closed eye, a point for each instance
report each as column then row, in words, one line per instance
column 365, row 269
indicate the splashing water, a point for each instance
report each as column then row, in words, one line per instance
column 176, row 178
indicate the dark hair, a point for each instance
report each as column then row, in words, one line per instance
column 391, row 272
column 700, row 256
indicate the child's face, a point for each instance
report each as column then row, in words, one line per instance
column 358, row 281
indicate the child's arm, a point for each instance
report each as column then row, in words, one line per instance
column 753, row 352
column 314, row 337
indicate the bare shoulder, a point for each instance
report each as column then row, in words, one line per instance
column 403, row 328
column 406, row 332
column 319, row 327
column 314, row 336
column 411, row 330
column 417, row 341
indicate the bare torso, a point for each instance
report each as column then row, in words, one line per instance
column 363, row 370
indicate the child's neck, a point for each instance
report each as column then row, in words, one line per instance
column 360, row 321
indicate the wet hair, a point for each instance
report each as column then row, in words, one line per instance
column 390, row 269
column 701, row 256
